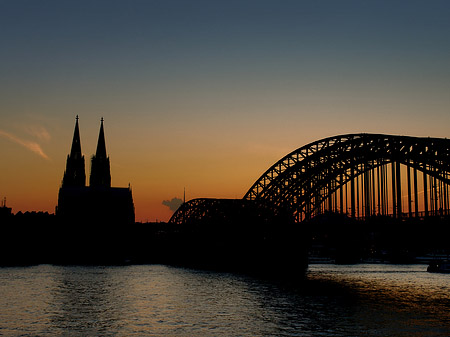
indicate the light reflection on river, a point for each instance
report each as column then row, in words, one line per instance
column 361, row 300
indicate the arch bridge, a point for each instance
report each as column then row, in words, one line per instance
column 360, row 175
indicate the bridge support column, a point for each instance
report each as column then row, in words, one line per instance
column 445, row 195
column 330, row 198
column 352, row 192
column 398, row 189
column 384, row 199
column 394, row 208
column 416, row 194
column 341, row 196
column 436, row 199
column 408, row 177
column 373, row 200
column 335, row 199
column 357, row 196
column 379, row 190
column 368, row 191
column 425, row 193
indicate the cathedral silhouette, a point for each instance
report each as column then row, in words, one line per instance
column 98, row 204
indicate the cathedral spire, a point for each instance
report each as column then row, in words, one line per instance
column 75, row 152
column 101, row 145
column 100, row 169
column 75, row 174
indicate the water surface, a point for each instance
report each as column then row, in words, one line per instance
column 155, row 300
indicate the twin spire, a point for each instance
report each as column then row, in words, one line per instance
column 75, row 152
column 100, row 170
column 75, row 175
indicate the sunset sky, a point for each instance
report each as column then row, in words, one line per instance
column 207, row 95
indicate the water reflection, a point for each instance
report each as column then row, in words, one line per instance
column 164, row 301
column 23, row 304
column 393, row 299
column 87, row 301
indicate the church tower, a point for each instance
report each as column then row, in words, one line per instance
column 100, row 169
column 75, row 176
column 91, row 212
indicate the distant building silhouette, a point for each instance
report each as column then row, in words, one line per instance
column 5, row 212
column 99, row 203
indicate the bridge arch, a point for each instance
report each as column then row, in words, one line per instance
column 207, row 210
column 225, row 211
column 315, row 177
column 359, row 175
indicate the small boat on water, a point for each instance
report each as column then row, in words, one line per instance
column 442, row 266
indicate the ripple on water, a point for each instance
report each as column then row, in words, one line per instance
column 370, row 300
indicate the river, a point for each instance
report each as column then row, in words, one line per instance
column 157, row 300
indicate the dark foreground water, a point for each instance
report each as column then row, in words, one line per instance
column 361, row 300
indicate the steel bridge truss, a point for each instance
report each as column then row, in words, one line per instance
column 340, row 173
column 223, row 211
column 360, row 175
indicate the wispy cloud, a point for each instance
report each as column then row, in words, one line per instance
column 32, row 146
column 39, row 132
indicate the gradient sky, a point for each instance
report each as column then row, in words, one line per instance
column 207, row 95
